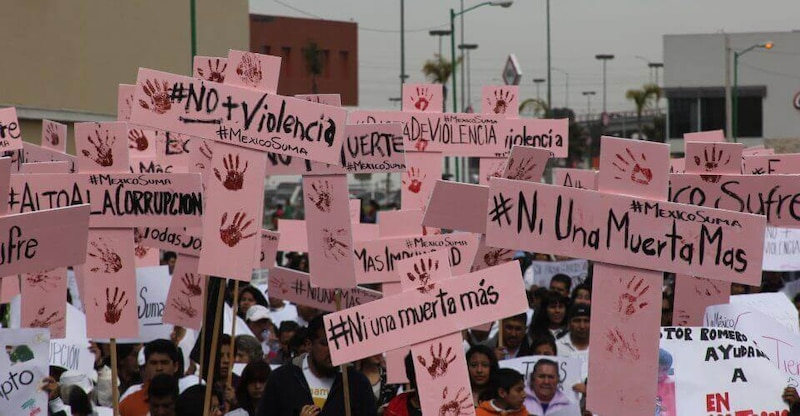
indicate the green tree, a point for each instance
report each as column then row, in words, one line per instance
column 314, row 64
column 642, row 99
column 438, row 71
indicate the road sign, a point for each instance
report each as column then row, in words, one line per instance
column 512, row 72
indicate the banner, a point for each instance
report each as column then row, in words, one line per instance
column 152, row 286
column 781, row 249
column 72, row 352
column 539, row 273
column 22, row 368
column 569, row 371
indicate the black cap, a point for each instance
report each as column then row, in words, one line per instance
column 579, row 309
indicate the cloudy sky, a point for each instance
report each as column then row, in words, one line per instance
column 630, row 29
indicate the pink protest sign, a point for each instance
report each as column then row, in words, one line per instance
column 427, row 98
column 293, row 235
column 177, row 239
column 125, row 101
column 54, row 136
column 269, row 248
column 705, row 136
column 232, row 216
column 110, row 295
column 500, row 99
column 677, row 165
column 779, row 164
column 548, row 134
column 395, row 359
column 624, row 230
column 624, row 341
column 296, row 287
column 240, row 116
column 775, row 196
column 376, row 259
column 365, row 232
column 486, row 256
column 32, row 153
column 423, row 170
column 412, row 317
column 634, row 167
column 330, row 239
column 142, row 143
column 327, row 99
column 10, row 131
column 458, row 206
column 45, row 167
column 575, row 178
column 692, row 295
column 118, row 200
column 9, row 288
column 145, row 255
column 526, row 164
column 43, row 305
column 210, row 68
column 400, row 223
column 490, row 167
column 424, row 272
column 184, row 306
column 710, row 159
column 757, row 150
column 253, row 70
column 355, row 210
column 101, row 147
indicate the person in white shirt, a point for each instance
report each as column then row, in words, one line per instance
column 575, row 343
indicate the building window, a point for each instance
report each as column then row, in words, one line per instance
column 344, row 64
column 712, row 113
column 682, row 116
column 750, row 119
column 286, row 62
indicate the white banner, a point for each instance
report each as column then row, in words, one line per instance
column 539, row 273
column 569, row 371
column 22, row 369
column 781, row 249
column 711, row 371
column 775, row 305
column 72, row 352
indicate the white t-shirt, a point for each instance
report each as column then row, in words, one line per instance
column 287, row 313
column 320, row 387
column 566, row 349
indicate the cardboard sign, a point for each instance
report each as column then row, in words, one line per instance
column 294, row 286
column 677, row 165
column 210, row 68
column 775, row 305
column 757, row 150
column 401, row 223
column 423, row 98
column 32, row 153
column 457, row 206
column 775, row 196
column 45, row 167
column 575, row 178
column 487, row 256
column 634, row 168
column 569, row 371
column 412, row 317
column 693, row 295
column 101, row 147
column 72, row 353
column 327, row 99
column 500, row 99
column 716, row 372
column 293, row 235
column 781, row 249
column 715, row 136
column 240, row 116
column 43, row 303
column 490, row 167
column 783, row 164
column 417, row 181
column 54, row 136
column 548, row 134
column 269, row 248
column 116, row 199
column 253, row 70
column 624, row 230
column 526, row 164
column 125, row 101
column 177, row 239
column 541, row 272
column 711, row 159
column 22, row 368
column 10, row 131
column 184, row 304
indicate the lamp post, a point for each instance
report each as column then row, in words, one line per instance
column 736, row 54
column 549, row 69
column 439, row 33
column 655, row 66
column 588, row 95
column 403, row 75
column 566, row 88
column 605, row 58
column 648, row 62
column 453, row 15
column 468, row 47
column 538, row 81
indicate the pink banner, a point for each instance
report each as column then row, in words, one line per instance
column 210, row 68
column 118, row 200
column 500, row 99
column 575, row 178
column 548, row 134
column 424, row 169
column 101, row 147
column 458, row 206
column 185, row 306
column 296, row 287
column 269, row 248
column 10, row 131
column 757, row 150
column 253, row 70
column 239, row 116
column 773, row 196
column 43, row 304
column 125, row 101
column 327, row 99
column 54, row 136
column 526, row 164
column 781, row 164
column 412, row 317
column 692, row 295
column 490, row 167
column 710, row 159
column 624, row 230
column 705, row 136
column 423, row 98
column 330, row 237
column 634, row 167
column 44, row 167
column 177, row 239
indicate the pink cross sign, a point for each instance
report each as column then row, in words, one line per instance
column 10, row 132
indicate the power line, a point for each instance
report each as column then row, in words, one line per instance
column 767, row 71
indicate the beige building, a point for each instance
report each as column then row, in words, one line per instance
column 62, row 60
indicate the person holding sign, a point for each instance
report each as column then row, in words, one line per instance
column 508, row 391
column 543, row 396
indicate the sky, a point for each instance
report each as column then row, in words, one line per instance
column 632, row 30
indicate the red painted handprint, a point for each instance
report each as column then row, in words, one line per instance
column 502, row 99
column 278, row 284
column 139, row 250
column 234, row 178
column 333, row 244
column 233, row 233
column 414, row 180
column 628, row 303
column 103, row 155
column 249, row 70
column 711, row 163
column 114, row 305
column 43, row 280
column 423, row 99
column 423, row 274
column 207, row 153
column 137, row 140
column 421, row 144
column 191, row 285
column 184, row 307
column 624, row 348
column 158, row 91
column 51, row 134
column 496, row 256
column 706, row 287
column 41, row 322
column 439, row 362
column 638, row 174
column 322, row 198
column 215, row 74
column 111, row 261
column 457, row 406
column 523, row 171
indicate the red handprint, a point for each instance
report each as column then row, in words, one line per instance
column 137, row 140
column 234, row 179
column 140, row 251
column 51, row 134
column 423, row 99
column 215, row 74
column 232, row 234
column 628, row 303
column 191, row 285
column 523, row 171
column 502, row 99
column 207, row 153
column 43, row 280
column 622, row 347
column 103, row 155
column 322, row 197
column 114, row 305
column 184, row 307
column 41, row 322
column 111, row 261
column 706, row 287
column 278, row 284
column 439, row 363
column 414, row 181
column 421, row 144
column 638, row 174
column 423, row 274
column 456, row 406
column 712, row 163
column 158, row 91
column 249, row 70
column 333, row 245
column 496, row 256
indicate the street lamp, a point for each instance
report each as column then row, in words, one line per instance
column 566, row 88
column 468, row 47
column 439, row 33
column 395, row 100
column 453, row 15
column 588, row 95
column 538, row 81
column 605, row 58
column 764, row 45
column 655, row 66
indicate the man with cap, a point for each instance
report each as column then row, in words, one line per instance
column 260, row 324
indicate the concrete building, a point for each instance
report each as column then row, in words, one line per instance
column 64, row 59
column 769, row 84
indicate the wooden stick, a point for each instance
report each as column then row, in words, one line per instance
column 202, row 333
column 114, row 381
column 500, row 342
column 229, row 380
column 345, row 376
column 214, row 341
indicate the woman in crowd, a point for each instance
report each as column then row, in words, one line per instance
column 251, row 385
column 508, row 395
column 481, row 363
column 551, row 317
column 249, row 296
column 582, row 294
column 374, row 368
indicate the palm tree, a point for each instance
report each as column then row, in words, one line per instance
column 438, row 71
column 650, row 93
column 314, row 64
